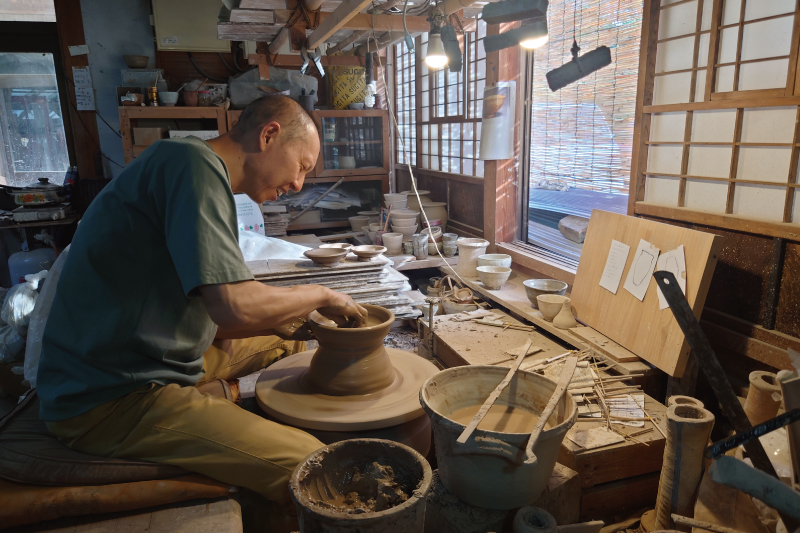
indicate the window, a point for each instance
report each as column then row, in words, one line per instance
column 581, row 137
column 444, row 123
column 32, row 133
column 27, row 10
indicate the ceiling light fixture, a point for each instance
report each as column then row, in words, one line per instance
column 532, row 34
column 435, row 56
column 533, row 37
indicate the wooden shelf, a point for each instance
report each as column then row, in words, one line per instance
column 348, row 143
column 319, row 225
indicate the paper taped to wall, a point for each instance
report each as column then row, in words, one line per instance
column 673, row 261
column 615, row 264
column 641, row 271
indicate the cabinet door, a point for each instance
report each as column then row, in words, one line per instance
column 353, row 143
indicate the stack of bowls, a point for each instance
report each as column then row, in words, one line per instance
column 407, row 227
column 396, row 200
column 404, row 217
column 434, row 235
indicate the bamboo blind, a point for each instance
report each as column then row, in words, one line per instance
column 583, row 133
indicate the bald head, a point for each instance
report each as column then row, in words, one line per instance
column 295, row 121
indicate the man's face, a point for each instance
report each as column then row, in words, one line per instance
column 276, row 166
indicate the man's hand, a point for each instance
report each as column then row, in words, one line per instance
column 296, row 330
column 343, row 307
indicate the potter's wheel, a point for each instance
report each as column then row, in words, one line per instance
column 282, row 391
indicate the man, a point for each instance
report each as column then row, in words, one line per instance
column 153, row 275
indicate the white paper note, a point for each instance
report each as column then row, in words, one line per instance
column 84, row 98
column 673, row 261
column 81, row 77
column 641, row 271
column 615, row 264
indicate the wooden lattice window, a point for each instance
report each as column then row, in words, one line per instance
column 720, row 116
column 406, row 98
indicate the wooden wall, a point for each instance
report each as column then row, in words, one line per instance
column 463, row 194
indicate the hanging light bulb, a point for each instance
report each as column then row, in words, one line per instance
column 435, row 57
column 534, row 35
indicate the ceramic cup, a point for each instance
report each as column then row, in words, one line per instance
column 502, row 260
column 393, row 243
column 449, row 237
column 450, row 249
column 420, row 241
column 550, row 305
column 357, row 222
column 408, row 248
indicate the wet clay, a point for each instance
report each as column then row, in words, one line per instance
column 502, row 418
column 369, row 488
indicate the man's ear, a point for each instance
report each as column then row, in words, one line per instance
column 268, row 134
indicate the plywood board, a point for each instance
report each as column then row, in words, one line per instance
column 604, row 345
column 641, row 327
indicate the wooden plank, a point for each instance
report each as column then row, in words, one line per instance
column 640, row 326
column 365, row 21
column 744, row 100
column 604, row 345
column 252, row 15
column 291, row 60
column 620, row 497
column 246, row 31
column 731, row 222
column 618, row 461
column 713, row 49
column 346, row 11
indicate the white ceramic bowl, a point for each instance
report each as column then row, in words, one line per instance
column 357, row 222
column 394, row 196
column 550, row 305
column 493, row 277
column 407, row 231
column 502, row 260
column 167, row 98
column 538, row 287
column 396, row 204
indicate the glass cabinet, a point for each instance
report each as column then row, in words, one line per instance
column 353, row 142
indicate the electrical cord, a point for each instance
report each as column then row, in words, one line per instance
column 227, row 66
column 198, row 69
column 94, row 110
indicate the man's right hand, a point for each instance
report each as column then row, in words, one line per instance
column 341, row 307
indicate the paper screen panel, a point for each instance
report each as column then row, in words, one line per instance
column 662, row 190
column 796, row 207
column 711, row 161
column 678, row 20
column 715, row 125
column 731, row 11
column 664, row 159
column 725, row 79
column 758, row 9
column 672, row 88
column 763, row 75
column 708, row 9
column 702, row 54
column 768, row 124
column 700, row 86
column 762, row 202
column 728, row 41
column 705, row 195
column 764, row 163
column 675, row 55
column 767, row 38
column 667, row 127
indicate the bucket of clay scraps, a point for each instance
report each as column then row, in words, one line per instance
column 488, row 470
column 392, row 475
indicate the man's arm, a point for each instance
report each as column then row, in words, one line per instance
column 249, row 308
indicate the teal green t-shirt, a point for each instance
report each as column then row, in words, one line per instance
column 126, row 312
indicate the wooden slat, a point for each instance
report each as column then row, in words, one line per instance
column 366, row 21
column 291, row 60
column 346, row 11
column 713, row 49
column 742, row 102
column 246, row 31
column 262, row 4
column 740, row 38
column 749, row 95
column 730, row 222
column 644, row 97
column 734, row 167
column 252, row 15
column 793, row 164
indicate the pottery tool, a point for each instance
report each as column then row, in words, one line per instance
column 688, row 430
column 389, row 212
column 714, row 372
column 566, row 375
column 700, row 524
column 465, row 435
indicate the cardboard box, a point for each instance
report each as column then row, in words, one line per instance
column 147, row 136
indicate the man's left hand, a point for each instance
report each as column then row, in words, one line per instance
column 296, row 330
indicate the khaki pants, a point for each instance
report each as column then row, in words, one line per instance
column 201, row 433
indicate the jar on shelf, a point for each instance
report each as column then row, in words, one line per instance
column 204, row 98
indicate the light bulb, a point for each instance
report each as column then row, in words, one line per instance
column 435, row 57
column 530, row 44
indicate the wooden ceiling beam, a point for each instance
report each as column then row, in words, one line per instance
column 340, row 16
column 365, row 21
column 294, row 60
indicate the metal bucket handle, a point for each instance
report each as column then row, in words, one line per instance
column 491, row 446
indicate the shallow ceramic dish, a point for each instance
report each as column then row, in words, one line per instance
column 502, row 260
column 493, row 277
column 337, row 246
column 368, row 252
column 538, row 287
column 550, row 305
column 326, row 257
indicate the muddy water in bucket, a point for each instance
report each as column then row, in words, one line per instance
column 488, row 470
column 364, row 485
